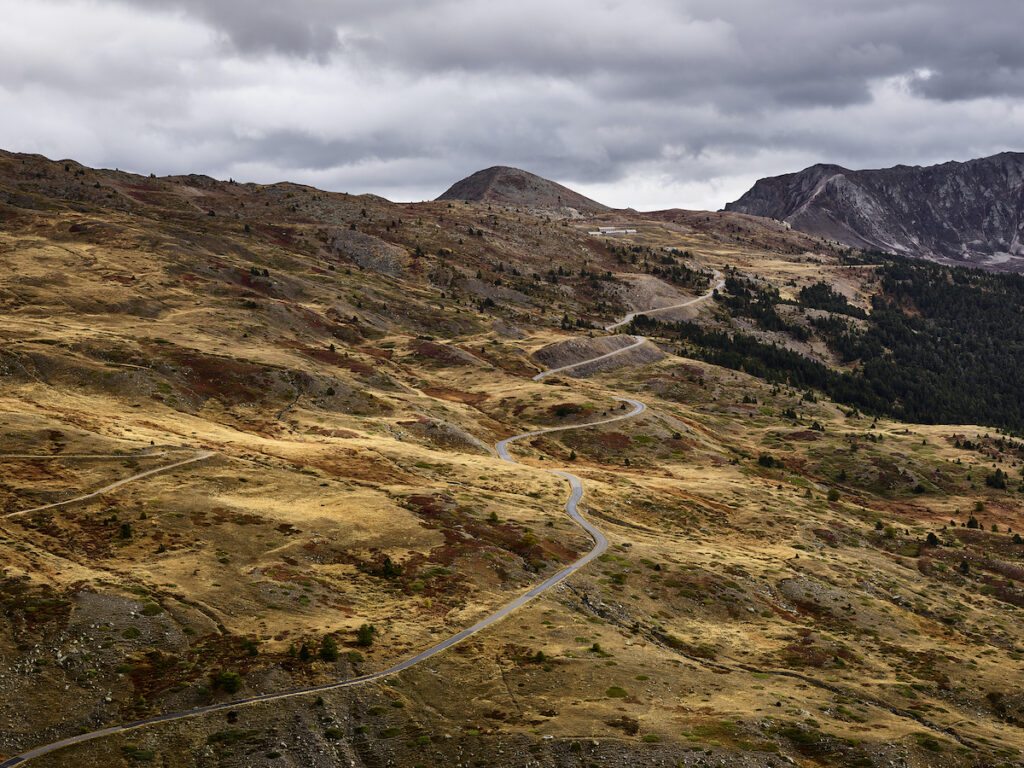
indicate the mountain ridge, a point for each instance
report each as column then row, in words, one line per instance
column 969, row 213
column 788, row 520
column 505, row 185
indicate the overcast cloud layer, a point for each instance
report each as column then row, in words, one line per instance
column 648, row 103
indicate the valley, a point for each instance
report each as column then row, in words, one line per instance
column 325, row 387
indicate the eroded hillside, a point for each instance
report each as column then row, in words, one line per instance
column 789, row 580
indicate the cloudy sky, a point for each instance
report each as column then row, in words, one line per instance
column 648, row 103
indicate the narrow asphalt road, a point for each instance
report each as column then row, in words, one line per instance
column 629, row 318
column 571, row 507
column 638, row 339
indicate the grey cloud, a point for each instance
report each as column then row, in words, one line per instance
column 297, row 150
column 307, row 28
column 408, row 95
column 779, row 48
column 773, row 53
column 764, row 54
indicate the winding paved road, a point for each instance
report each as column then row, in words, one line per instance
column 638, row 339
column 571, row 508
column 703, row 297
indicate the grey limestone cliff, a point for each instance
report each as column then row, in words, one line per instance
column 966, row 213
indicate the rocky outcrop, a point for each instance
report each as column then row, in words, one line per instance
column 367, row 251
column 447, row 436
column 511, row 186
column 958, row 213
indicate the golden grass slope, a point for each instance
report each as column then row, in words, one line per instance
column 747, row 612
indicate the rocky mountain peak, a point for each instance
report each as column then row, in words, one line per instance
column 513, row 186
column 959, row 213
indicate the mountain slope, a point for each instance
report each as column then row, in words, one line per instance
column 511, row 186
column 966, row 213
column 783, row 584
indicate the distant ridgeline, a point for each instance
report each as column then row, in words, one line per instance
column 942, row 345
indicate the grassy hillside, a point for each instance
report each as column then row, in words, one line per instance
column 789, row 578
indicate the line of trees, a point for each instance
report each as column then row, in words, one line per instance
column 940, row 345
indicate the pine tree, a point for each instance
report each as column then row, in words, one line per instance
column 365, row 635
column 328, row 649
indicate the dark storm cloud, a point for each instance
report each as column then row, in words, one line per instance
column 691, row 97
column 307, row 28
column 787, row 51
column 792, row 51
